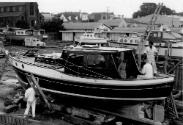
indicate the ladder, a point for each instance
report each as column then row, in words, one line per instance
column 3, row 67
column 5, row 64
column 148, row 30
column 153, row 19
column 34, row 83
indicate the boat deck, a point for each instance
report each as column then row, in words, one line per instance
column 60, row 68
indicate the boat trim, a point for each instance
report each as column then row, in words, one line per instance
column 96, row 97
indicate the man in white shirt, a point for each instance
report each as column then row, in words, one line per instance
column 31, row 101
column 150, row 52
column 147, row 71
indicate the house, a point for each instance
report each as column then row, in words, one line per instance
column 12, row 12
column 75, row 30
column 170, row 21
column 74, row 16
column 114, row 23
column 95, row 17
column 122, row 22
column 84, row 17
column 47, row 16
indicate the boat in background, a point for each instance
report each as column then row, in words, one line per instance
column 91, row 39
column 16, row 36
column 163, row 40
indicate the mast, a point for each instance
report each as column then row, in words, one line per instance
column 148, row 30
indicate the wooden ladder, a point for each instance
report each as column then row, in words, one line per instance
column 34, row 82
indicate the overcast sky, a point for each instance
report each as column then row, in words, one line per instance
column 119, row 7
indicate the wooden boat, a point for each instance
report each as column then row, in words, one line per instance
column 92, row 72
column 163, row 40
column 91, row 38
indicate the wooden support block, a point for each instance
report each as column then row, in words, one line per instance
column 158, row 113
column 11, row 108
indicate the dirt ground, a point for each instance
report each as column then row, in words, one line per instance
column 9, row 81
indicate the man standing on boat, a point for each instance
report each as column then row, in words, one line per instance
column 150, row 52
column 30, row 96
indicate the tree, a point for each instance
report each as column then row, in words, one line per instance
column 53, row 26
column 22, row 24
column 149, row 8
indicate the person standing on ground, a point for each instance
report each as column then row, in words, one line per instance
column 30, row 96
column 150, row 52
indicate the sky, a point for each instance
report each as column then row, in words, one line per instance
column 119, row 7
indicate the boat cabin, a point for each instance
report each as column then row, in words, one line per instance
column 101, row 62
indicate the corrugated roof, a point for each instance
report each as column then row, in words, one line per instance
column 130, row 20
column 81, row 26
column 112, row 22
column 130, row 29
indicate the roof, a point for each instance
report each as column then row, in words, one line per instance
column 130, row 29
column 82, row 26
column 94, row 49
column 10, row 14
column 162, row 19
column 14, row 3
column 171, row 36
column 130, row 20
column 71, row 16
column 112, row 22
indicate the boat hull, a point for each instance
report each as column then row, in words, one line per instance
column 92, row 89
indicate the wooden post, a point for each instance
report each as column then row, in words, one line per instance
column 34, row 83
column 140, row 52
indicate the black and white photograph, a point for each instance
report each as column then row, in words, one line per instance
column 91, row 62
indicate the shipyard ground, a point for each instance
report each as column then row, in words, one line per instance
column 9, row 83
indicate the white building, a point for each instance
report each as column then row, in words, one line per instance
column 48, row 16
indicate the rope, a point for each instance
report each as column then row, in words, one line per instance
column 97, row 74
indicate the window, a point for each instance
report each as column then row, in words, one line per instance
column 31, row 9
column 14, row 9
column 7, row 9
column 11, row 9
column 94, row 60
column 20, row 8
column 2, row 9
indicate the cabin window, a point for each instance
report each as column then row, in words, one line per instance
column 76, row 59
column 94, row 61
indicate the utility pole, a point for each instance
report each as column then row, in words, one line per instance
column 107, row 13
